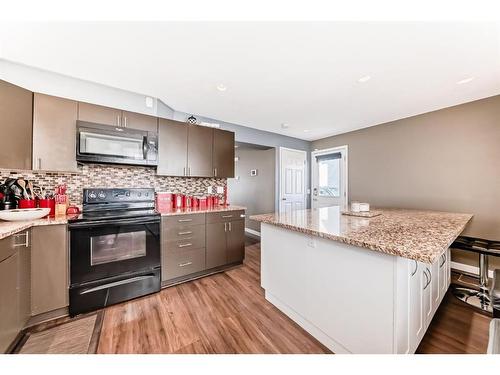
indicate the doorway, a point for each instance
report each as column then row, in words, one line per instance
column 292, row 179
column 329, row 178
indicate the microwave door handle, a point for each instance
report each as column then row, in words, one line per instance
column 145, row 147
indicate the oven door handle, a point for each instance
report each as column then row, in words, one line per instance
column 114, row 223
column 117, row 283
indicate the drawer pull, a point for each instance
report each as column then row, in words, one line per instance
column 230, row 226
column 184, row 220
column 184, row 233
column 185, row 244
column 443, row 260
column 26, row 242
column 226, row 216
column 185, row 264
column 416, row 268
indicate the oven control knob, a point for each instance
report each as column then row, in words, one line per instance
column 102, row 195
column 92, row 195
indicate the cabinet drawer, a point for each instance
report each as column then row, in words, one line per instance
column 181, row 263
column 219, row 217
column 184, row 244
column 180, row 220
column 10, row 245
column 182, row 232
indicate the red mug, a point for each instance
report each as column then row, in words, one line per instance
column 27, row 203
column 48, row 203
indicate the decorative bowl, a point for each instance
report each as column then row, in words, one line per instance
column 24, row 214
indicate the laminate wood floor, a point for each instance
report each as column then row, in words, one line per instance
column 227, row 313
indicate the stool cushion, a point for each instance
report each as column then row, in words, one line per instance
column 494, row 339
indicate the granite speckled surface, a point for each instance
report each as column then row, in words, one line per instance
column 184, row 211
column 8, row 228
column 412, row 234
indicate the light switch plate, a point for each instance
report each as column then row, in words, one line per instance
column 220, row 189
column 149, row 102
column 210, row 189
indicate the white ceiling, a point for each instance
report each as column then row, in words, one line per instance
column 302, row 74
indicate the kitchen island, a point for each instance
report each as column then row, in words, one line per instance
column 357, row 284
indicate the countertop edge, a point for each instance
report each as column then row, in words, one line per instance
column 19, row 226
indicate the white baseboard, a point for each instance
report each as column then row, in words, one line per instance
column 253, row 232
column 469, row 269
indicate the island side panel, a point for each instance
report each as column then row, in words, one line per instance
column 341, row 294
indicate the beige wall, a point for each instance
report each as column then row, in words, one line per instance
column 255, row 193
column 444, row 160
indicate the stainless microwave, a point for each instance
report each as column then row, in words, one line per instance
column 96, row 143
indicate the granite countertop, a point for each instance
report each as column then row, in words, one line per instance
column 412, row 234
column 184, row 211
column 8, row 228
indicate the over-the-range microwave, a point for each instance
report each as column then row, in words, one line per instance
column 96, row 143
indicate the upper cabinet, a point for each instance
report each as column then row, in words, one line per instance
column 54, row 133
column 193, row 150
column 16, row 116
column 139, row 121
column 116, row 117
column 223, row 153
column 99, row 114
column 200, row 146
column 172, row 148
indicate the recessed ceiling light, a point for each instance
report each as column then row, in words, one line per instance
column 364, row 79
column 221, row 87
column 285, row 126
column 465, row 80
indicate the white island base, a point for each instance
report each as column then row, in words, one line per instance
column 351, row 299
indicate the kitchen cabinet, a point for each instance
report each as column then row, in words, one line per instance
column 16, row 117
column 49, row 268
column 99, row 114
column 172, row 148
column 14, row 287
column 199, row 151
column 223, row 153
column 54, row 133
column 225, row 238
column 139, row 121
column 416, row 324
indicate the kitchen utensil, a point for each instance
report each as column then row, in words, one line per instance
column 30, row 187
column 22, row 184
column 72, row 210
column 24, row 214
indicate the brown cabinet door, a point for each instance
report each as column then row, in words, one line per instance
column 54, row 133
column 200, row 146
column 139, row 121
column 223, row 153
column 99, row 114
column 9, row 302
column 216, row 245
column 172, row 148
column 16, row 119
column 49, row 268
column 236, row 241
column 24, row 283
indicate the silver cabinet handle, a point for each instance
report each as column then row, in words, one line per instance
column 443, row 260
column 430, row 275
column 226, row 216
column 185, row 244
column 125, row 121
column 416, row 268
column 427, row 279
column 230, row 226
column 184, row 233
column 26, row 240
column 39, row 160
column 184, row 220
column 225, row 227
column 185, row 264
column 215, row 172
column 189, row 171
column 118, row 122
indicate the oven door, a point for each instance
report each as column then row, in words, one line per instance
column 104, row 249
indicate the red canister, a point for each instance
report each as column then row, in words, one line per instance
column 164, row 201
column 27, row 203
column 215, row 200
column 48, row 203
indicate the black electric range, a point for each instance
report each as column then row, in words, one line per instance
column 114, row 248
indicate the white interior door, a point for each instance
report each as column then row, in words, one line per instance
column 292, row 179
column 329, row 177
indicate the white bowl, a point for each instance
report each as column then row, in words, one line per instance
column 24, row 214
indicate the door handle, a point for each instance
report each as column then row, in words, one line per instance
column 184, row 220
column 117, row 283
column 225, row 227
column 443, row 260
column 39, row 163
column 230, row 226
column 283, row 199
column 118, row 122
column 185, row 244
column 215, row 172
column 184, row 233
column 226, row 216
column 185, row 264
column 416, row 268
column 125, row 121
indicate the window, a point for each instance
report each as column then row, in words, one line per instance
column 329, row 175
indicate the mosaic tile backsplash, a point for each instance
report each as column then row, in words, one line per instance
column 111, row 176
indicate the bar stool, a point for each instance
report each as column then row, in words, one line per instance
column 478, row 298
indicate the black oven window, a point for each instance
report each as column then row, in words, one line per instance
column 116, row 247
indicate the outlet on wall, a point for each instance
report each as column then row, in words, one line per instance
column 220, row 189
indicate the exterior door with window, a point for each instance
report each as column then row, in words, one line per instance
column 292, row 179
column 329, row 178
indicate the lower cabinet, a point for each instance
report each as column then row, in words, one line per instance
column 49, row 269
column 14, row 287
column 193, row 243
